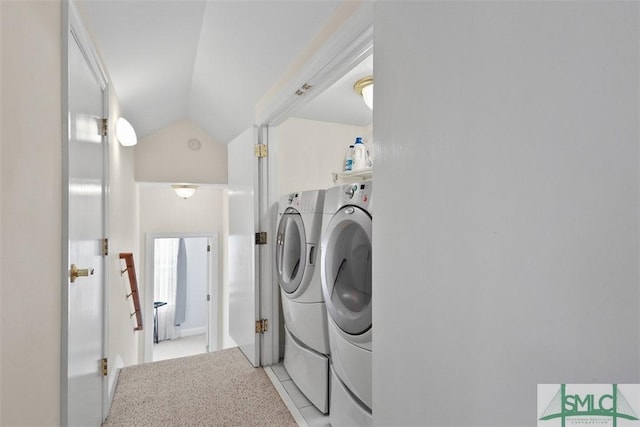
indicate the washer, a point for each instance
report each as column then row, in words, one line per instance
column 345, row 266
column 306, row 354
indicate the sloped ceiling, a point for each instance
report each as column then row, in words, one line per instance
column 206, row 61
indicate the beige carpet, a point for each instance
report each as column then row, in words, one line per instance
column 213, row 389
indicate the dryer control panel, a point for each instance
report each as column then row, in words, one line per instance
column 304, row 201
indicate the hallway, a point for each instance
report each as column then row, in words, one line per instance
column 219, row 388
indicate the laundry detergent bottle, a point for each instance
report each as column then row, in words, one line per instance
column 348, row 159
column 360, row 155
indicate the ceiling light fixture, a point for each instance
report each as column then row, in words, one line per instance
column 125, row 133
column 364, row 87
column 184, row 190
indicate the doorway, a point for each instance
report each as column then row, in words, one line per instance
column 181, row 295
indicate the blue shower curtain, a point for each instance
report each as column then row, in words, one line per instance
column 181, row 284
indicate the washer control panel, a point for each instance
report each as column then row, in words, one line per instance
column 357, row 193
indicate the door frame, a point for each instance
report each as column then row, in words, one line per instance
column 213, row 308
column 73, row 28
column 344, row 49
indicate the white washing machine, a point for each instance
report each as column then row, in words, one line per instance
column 306, row 331
column 346, row 284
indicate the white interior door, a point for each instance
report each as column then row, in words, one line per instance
column 85, row 328
column 212, row 295
column 243, row 224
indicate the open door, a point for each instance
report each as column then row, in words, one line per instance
column 83, row 391
column 244, row 203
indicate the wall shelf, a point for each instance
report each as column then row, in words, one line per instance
column 354, row 176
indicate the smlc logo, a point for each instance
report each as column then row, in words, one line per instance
column 588, row 404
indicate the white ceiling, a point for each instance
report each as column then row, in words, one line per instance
column 210, row 61
column 340, row 103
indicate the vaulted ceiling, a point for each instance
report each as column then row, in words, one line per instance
column 204, row 60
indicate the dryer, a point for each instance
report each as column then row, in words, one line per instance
column 346, row 257
column 306, row 331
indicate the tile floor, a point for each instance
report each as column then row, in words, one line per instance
column 302, row 410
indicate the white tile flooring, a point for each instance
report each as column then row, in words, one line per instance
column 302, row 410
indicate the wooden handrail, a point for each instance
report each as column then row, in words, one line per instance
column 133, row 283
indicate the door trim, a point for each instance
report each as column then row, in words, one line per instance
column 73, row 28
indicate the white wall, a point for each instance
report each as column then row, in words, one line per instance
column 309, row 151
column 30, row 209
column 123, row 237
column 165, row 156
column 506, row 206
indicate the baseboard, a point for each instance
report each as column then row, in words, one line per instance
column 183, row 333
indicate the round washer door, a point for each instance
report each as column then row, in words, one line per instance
column 346, row 269
column 290, row 251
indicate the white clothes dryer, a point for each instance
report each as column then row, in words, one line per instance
column 306, row 331
column 346, row 257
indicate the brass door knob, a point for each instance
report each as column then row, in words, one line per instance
column 79, row 272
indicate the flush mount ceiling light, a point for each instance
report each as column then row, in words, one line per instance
column 125, row 133
column 184, row 190
column 364, row 87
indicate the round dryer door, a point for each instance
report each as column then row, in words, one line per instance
column 346, row 269
column 291, row 251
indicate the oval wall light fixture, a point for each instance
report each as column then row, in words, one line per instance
column 125, row 133
column 184, row 190
column 364, row 87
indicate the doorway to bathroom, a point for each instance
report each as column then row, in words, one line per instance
column 182, row 295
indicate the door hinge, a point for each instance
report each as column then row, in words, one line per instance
column 104, row 367
column 261, row 150
column 262, row 326
column 105, row 127
column 305, row 87
column 261, row 238
column 105, row 246
column 208, row 297
column 208, row 248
